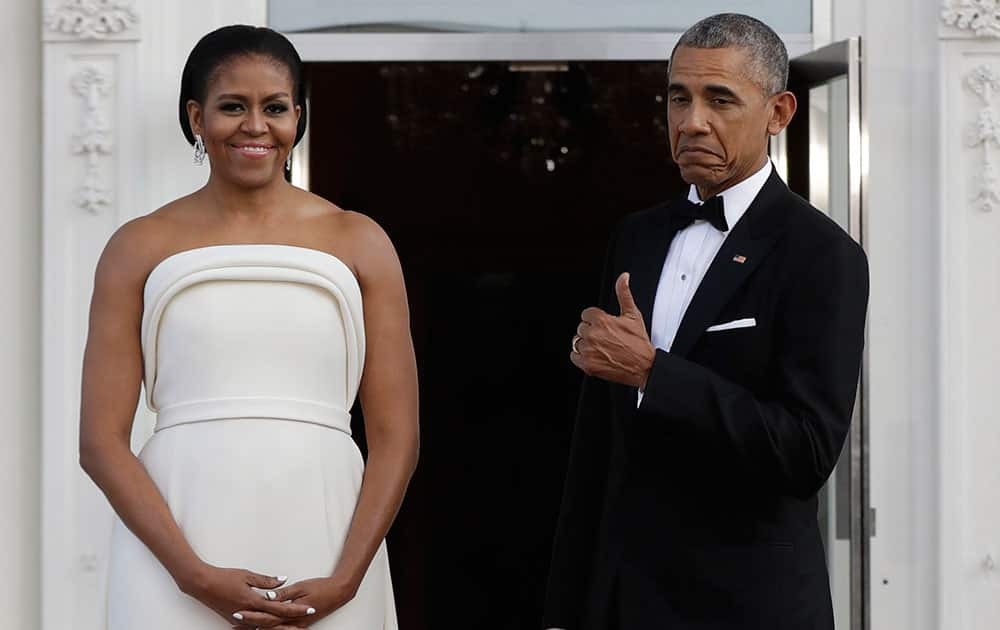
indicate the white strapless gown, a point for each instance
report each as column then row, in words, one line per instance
column 253, row 357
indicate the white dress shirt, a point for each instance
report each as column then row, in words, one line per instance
column 691, row 253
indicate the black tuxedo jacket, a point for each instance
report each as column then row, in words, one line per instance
column 698, row 510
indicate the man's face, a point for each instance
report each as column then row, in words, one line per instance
column 720, row 119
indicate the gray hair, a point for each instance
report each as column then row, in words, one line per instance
column 768, row 57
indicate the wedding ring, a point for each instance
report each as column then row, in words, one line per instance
column 576, row 340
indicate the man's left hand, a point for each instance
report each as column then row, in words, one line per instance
column 616, row 349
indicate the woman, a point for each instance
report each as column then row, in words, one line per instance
column 240, row 307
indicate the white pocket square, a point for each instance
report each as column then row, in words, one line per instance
column 748, row 322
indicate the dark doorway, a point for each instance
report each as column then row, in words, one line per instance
column 499, row 186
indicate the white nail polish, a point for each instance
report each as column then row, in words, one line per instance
column 311, row 611
column 237, row 616
column 282, row 578
column 271, row 595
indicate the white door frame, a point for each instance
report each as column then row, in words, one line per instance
column 590, row 46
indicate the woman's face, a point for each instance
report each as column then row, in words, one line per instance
column 247, row 120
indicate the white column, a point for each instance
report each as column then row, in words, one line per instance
column 970, row 230
column 91, row 155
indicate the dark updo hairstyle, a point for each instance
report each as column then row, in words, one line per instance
column 227, row 43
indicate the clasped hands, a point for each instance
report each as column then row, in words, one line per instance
column 614, row 348
column 251, row 600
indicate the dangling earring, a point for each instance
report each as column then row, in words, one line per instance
column 288, row 163
column 199, row 150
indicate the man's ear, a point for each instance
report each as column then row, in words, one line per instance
column 783, row 108
column 194, row 112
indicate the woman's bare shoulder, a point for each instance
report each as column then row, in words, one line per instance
column 349, row 231
column 366, row 236
column 368, row 246
column 139, row 244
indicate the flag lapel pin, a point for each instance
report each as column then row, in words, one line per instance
column 739, row 259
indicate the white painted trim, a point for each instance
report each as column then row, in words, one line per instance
column 954, row 293
column 822, row 23
column 315, row 47
column 984, row 133
column 76, row 518
column 73, row 20
column 967, row 308
column 971, row 18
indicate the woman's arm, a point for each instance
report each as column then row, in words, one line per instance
column 390, row 401
column 112, row 373
column 388, row 396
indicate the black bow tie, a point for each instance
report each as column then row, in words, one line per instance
column 711, row 210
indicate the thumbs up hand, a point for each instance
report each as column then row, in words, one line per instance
column 614, row 348
column 626, row 303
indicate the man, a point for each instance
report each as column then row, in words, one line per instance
column 718, row 398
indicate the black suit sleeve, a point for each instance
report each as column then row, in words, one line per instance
column 790, row 439
column 585, row 489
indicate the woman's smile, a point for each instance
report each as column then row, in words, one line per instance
column 253, row 150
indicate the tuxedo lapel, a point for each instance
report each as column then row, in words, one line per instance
column 744, row 248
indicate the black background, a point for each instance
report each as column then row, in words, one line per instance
column 499, row 189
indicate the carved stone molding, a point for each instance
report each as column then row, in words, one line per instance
column 981, row 17
column 985, row 133
column 92, row 19
column 93, row 138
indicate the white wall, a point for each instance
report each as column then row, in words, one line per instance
column 20, row 182
column 902, row 238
